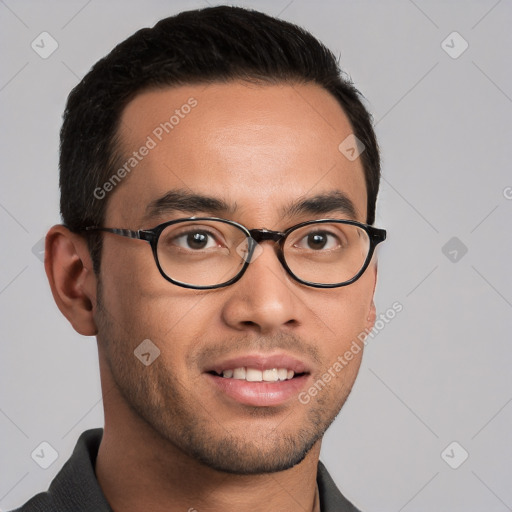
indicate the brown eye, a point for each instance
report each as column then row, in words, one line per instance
column 317, row 240
column 195, row 240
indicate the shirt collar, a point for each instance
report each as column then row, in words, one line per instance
column 76, row 489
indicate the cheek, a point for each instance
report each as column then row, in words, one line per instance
column 141, row 305
column 346, row 312
column 133, row 289
column 344, row 315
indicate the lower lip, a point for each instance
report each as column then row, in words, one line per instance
column 259, row 394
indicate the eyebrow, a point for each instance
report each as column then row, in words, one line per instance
column 322, row 204
column 181, row 200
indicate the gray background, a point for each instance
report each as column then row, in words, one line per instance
column 438, row 372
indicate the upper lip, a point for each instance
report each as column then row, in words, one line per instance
column 260, row 362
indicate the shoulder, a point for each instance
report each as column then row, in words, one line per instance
column 331, row 499
column 75, row 488
column 39, row 503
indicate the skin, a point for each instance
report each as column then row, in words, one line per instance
column 171, row 442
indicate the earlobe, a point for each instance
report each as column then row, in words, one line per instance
column 72, row 280
column 372, row 312
column 372, row 316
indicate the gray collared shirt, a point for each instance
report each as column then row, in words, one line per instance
column 75, row 488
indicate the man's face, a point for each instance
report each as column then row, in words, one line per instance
column 259, row 149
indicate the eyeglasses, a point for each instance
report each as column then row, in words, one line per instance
column 208, row 252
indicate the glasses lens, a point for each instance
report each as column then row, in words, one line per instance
column 201, row 252
column 327, row 253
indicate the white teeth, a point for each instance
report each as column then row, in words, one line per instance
column 255, row 375
column 270, row 375
column 282, row 373
column 239, row 373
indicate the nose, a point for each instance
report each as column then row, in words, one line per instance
column 263, row 300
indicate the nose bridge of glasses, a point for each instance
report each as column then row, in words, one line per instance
column 260, row 235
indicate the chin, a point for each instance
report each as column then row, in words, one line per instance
column 253, row 459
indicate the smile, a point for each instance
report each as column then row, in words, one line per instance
column 254, row 375
column 259, row 380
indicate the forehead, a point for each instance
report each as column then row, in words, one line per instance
column 255, row 147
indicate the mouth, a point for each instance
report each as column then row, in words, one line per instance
column 259, row 380
column 254, row 375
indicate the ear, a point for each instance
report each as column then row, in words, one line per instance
column 69, row 269
column 372, row 312
column 372, row 316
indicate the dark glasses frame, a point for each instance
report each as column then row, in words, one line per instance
column 254, row 236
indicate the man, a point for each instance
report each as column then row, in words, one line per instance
column 218, row 185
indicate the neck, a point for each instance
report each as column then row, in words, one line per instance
column 137, row 470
